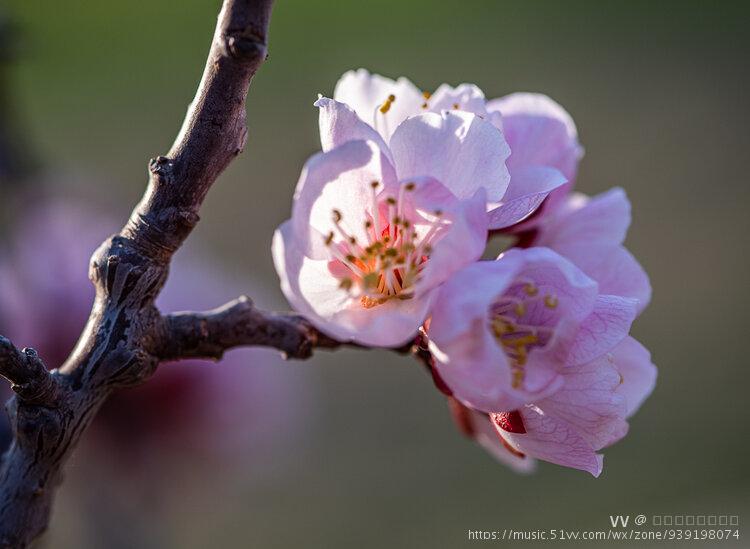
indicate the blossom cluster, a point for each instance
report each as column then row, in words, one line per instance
column 389, row 225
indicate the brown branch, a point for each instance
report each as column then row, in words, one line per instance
column 238, row 323
column 128, row 271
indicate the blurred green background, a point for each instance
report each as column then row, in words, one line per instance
column 659, row 92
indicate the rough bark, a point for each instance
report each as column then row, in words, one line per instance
column 126, row 337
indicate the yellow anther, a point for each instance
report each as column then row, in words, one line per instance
column 370, row 302
column 520, row 309
column 521, row 342
column 370, row 280
column 426, row 94
column 530, row 289
column 346, row 284
column 386, row 106
column 550, row 301
column 425, row 106
column 455, row 106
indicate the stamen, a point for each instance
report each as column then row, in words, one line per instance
column 388, row 263
column 516, row 337
column 386, row 106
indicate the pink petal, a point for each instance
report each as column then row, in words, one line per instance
column 539, row 131
column 464, row 97
column 585, row 223
column 603, row 329
column 462, row 151
column 365, row 93
column 465, row 238
column 633, row 362
column 527, row 190
column 552, row 439
column 337, row 180
column 589, row 233
column 307, row 283
column 338, row 124
column 618, row 273
column 588, row 401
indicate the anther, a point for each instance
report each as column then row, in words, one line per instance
column 530, row 289
column 386, row 106
column 550, row 301
column 337, row 216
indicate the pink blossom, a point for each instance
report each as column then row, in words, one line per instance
column 503, row 331
column 369, row 242
column 542, row 136
column 529, row 348
column 587, row 414
column 590, row 233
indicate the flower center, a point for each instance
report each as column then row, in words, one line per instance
column 398, row 245
column 518, row 326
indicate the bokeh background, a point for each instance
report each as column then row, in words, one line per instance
column 366, row 453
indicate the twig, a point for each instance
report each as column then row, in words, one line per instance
column 28, row 375
column 238, row 323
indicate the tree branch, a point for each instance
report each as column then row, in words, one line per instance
column 116, row 349
column 238, row 323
